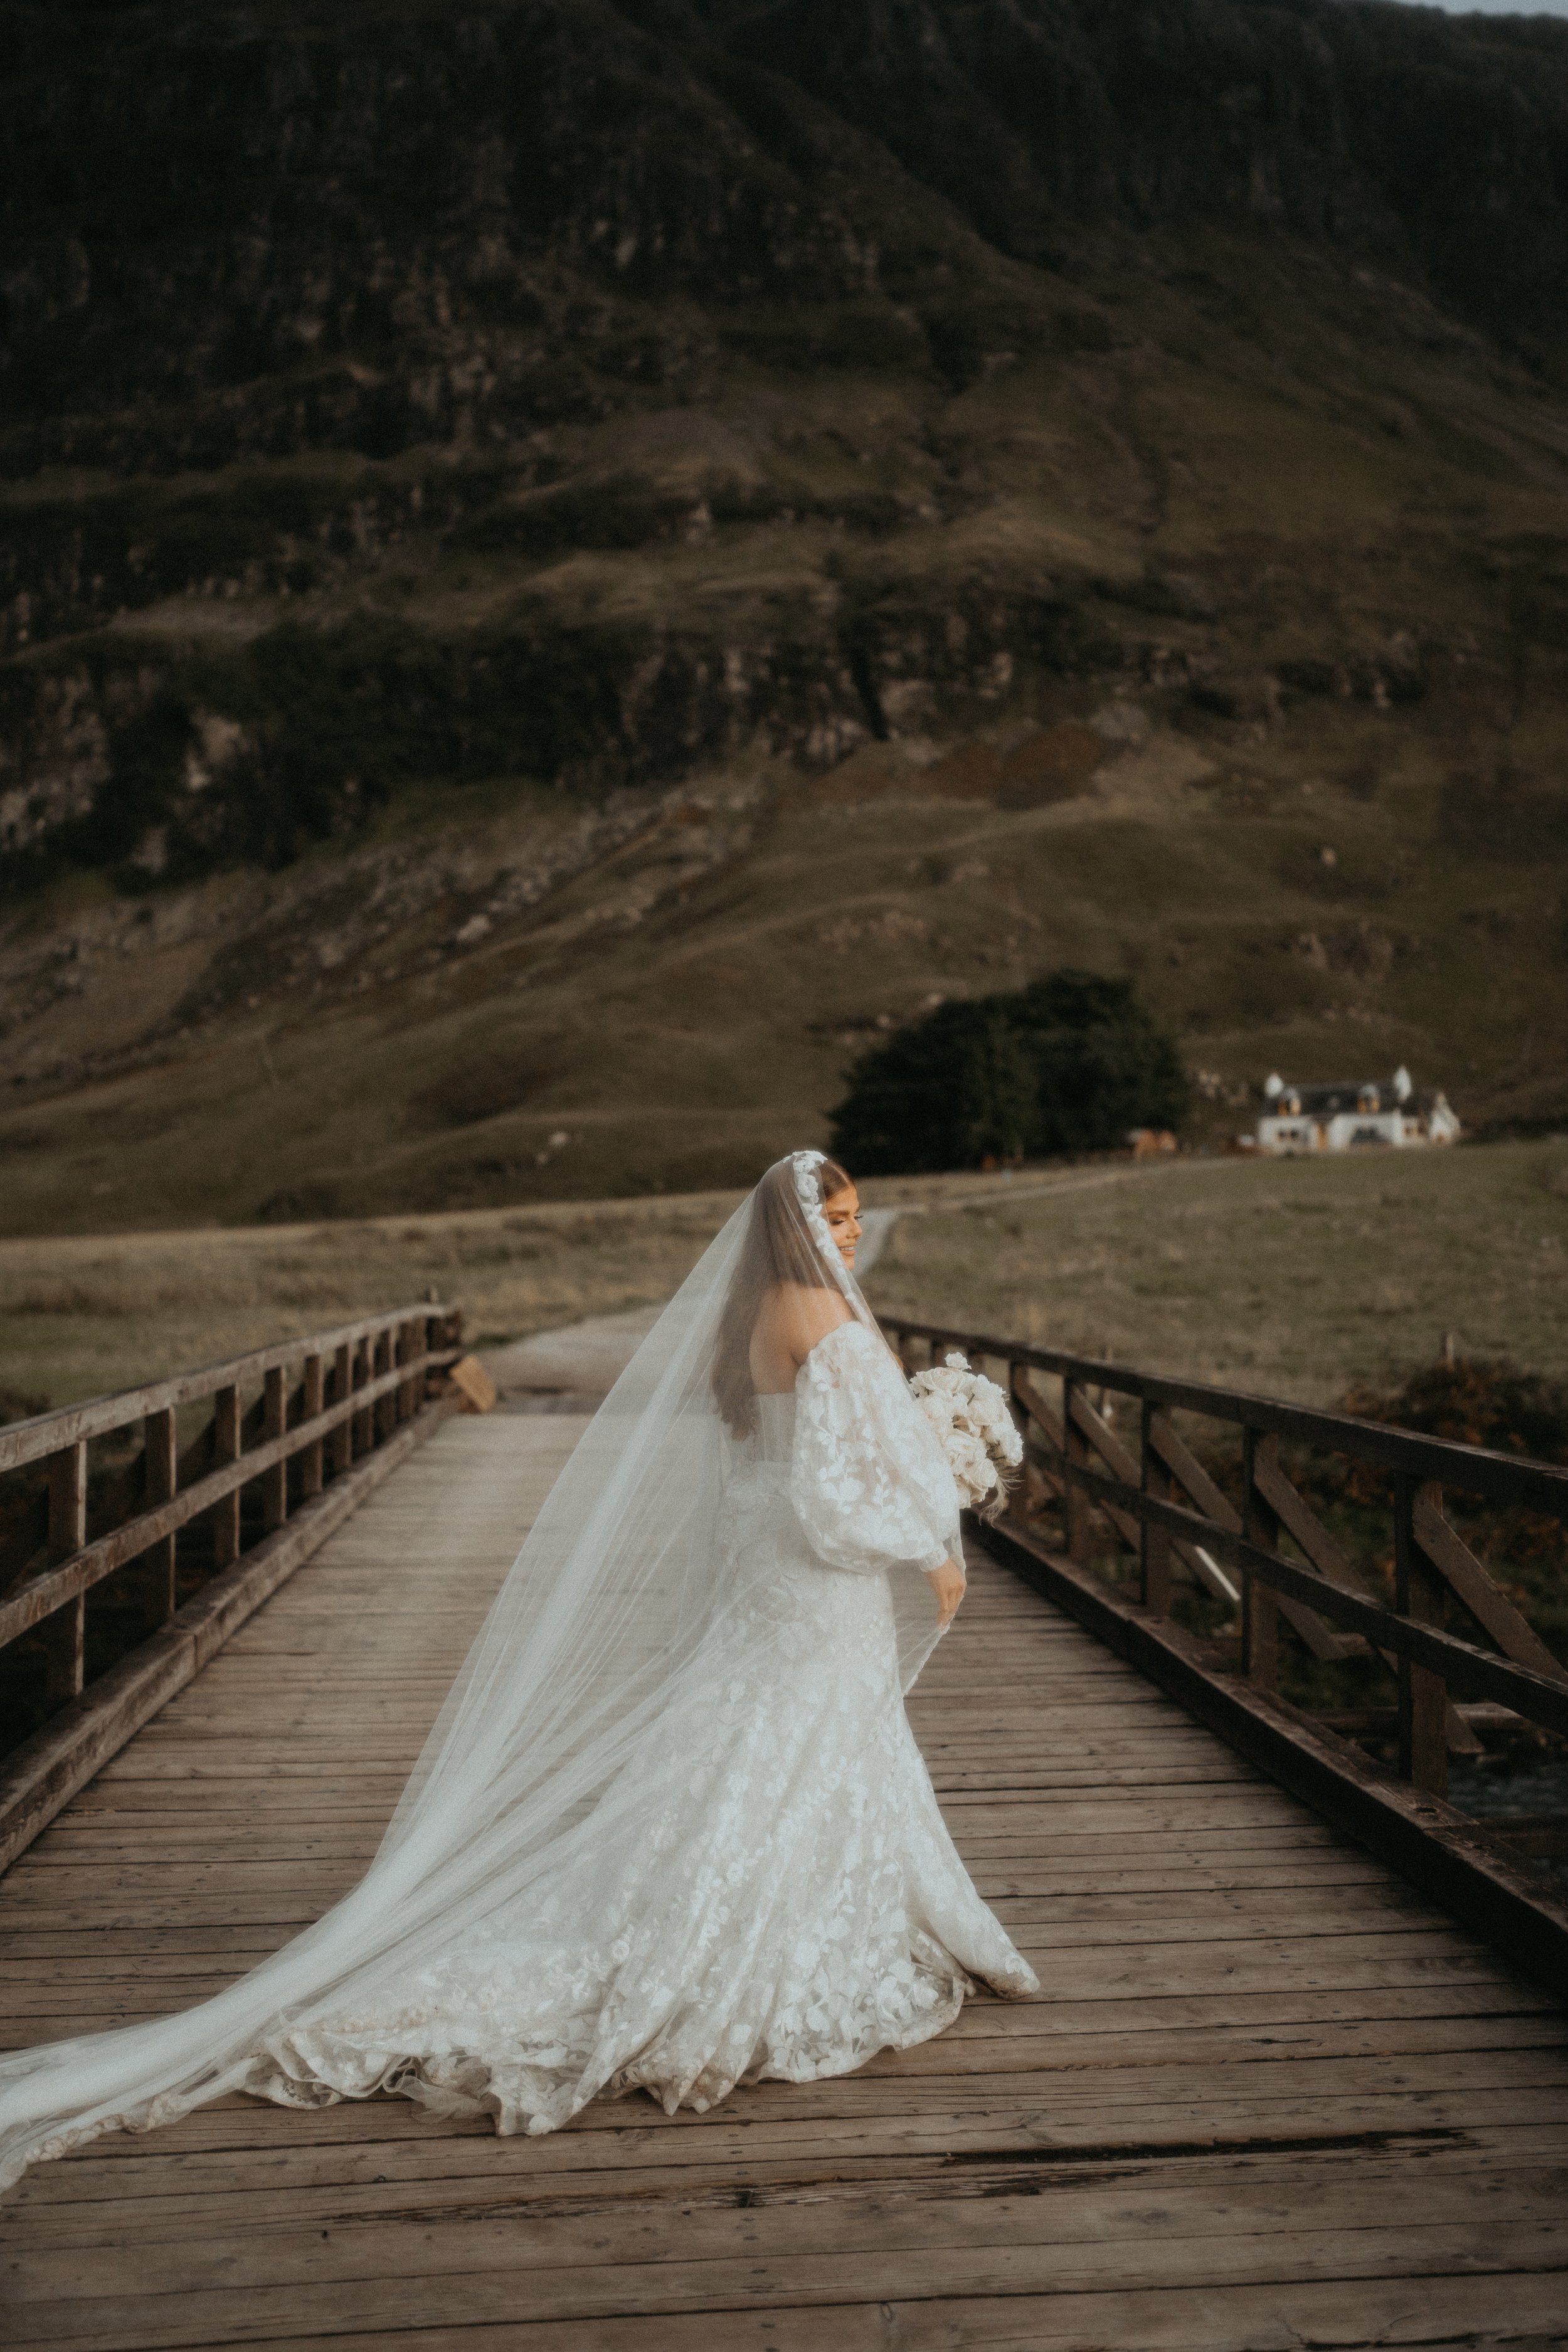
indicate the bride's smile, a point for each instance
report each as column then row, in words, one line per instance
column 843, row 1215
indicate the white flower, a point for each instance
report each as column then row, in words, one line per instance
column 970, row 1416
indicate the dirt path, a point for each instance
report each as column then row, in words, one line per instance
column 571, row 1370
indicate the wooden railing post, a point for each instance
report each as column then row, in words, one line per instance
column 1259, row 1605
column 66, row 1630
column 311, row 1403
column 363, row 1437
column 1074, row 1450
column 408, row 1349
column 163, row 1478
column 1300, row 1579
column 1154, row 1543
column 274, row 1423
column 341, row 1439
column 385, row 1408
column 265, row 1411
column 225, row 1449
column 1423, row 1693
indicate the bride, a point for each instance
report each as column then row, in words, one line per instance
column 672, row 1831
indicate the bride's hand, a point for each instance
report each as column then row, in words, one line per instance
column 947, row 1583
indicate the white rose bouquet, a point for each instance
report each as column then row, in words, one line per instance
column 970, row 1416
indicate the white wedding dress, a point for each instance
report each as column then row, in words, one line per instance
column 672, row 1831
column 795, row 1905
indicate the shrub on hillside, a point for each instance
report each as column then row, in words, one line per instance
column 1068, row 1064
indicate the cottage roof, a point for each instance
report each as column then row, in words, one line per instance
column 1324, row 1101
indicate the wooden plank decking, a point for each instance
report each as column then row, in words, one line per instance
column 1270, row 2097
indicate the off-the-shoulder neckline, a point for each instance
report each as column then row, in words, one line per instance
column 851, row 1323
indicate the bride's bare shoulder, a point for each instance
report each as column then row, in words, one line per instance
column 798, row 1315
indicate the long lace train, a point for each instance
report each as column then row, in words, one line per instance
column 796, row 1904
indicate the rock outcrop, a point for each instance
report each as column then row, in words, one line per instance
column 421, row 391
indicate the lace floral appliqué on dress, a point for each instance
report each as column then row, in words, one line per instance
column 793, row 1903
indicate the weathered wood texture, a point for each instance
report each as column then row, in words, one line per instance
column 1271, row 2095
column 38, row 1778
column 1134, row 1499
column 51, row 1573
column 1090, row 1524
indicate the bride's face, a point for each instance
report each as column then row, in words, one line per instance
column 843, row 1214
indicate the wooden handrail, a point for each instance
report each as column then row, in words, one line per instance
column 1502, row 1479
column 1542, row 1697
column 313, row 1442
column 43, row 1594
column 1321, row 1590
column 163, row 1491
column 45, row 1433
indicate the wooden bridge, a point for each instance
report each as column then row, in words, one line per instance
column 1275, row 2094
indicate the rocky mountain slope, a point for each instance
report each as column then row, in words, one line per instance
column 563, row 562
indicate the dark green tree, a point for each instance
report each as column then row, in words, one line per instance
column 1068, row 1064
column 1100, row 1063
column 942, row 1093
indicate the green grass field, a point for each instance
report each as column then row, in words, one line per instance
column 1293, row 1277
column 84, row 1315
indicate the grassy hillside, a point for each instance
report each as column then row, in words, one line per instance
column 389, row 1028
column 494, row 713
column 82, row 1314
column 1292, row 1277
column 80, row 1317
column 1296, row 1278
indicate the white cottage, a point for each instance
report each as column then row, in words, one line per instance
column 1342, row 1118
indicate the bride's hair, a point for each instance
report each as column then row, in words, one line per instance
column 778, row 1248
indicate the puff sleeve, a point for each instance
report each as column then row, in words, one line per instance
column 869, row 1481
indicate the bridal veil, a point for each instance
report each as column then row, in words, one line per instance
column 612, row 1619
